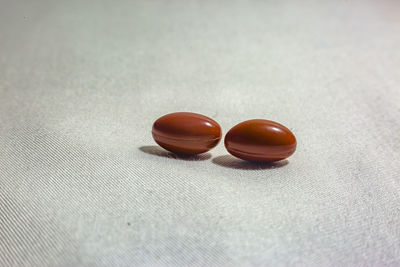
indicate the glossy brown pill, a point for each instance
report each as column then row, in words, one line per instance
column 186, row 133
column 260, row 140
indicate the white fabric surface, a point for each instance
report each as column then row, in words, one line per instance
column 82, row 183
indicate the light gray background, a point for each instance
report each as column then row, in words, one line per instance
column 83, row 184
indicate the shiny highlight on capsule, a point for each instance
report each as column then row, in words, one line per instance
column 186, row 133
column 260, row 141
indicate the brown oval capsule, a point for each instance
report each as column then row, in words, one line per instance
column 186, row 133
column 260, row 140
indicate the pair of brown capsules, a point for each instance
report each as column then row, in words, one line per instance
column 258, row 140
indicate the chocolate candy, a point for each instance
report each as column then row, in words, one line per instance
column 260, row 141
column 186, row 133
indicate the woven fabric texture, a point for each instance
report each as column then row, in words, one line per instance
column 82, row 182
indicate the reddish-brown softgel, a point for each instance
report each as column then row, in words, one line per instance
column 186, row 133
column 260, row 141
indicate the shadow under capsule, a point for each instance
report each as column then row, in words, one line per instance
column 160, row 152
column 229, row 161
